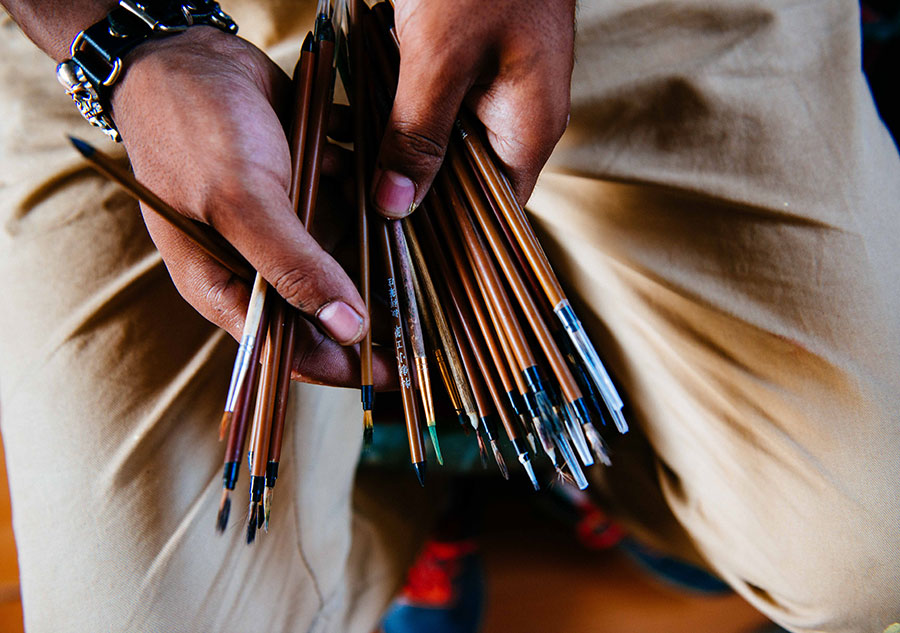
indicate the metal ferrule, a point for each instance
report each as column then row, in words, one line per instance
column 489, row 424
column 567, row 316
column 367, row 397
column 239, row 371
column 271, row 474
column 513, row 398
column 257, row 484
column 229, row 478
column 577, row 435
column 592, row 362
column 533, row 379
column 582, row 413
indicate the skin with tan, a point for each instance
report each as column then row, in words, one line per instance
column 200, row 116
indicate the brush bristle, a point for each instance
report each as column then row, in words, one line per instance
column 482, row 449
column 498, row 457
column 597, row 444
column 437, row 446
column 368, row 428
column 526, row 462
column 546, row 441
column 223, row 425
column 224, row 511
column 267, row 507
column 251, row 523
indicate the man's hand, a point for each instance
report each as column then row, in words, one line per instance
column 198, row 113
column 510, row 61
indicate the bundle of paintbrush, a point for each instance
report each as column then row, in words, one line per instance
column 467, row 271
column 468, row 283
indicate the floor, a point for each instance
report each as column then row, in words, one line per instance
column 10, row 605
column 555, row 586
column 540, row 580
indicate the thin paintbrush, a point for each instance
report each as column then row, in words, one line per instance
column 361, row 159
column 212, row 243
column 262, row 418
column 237, row 434
column 320, row 106
column 557, row 362
column 506, row 200
column 403, row 264
column 466, row 339
column 414, row 433
column 446, row 354
column 467, row 273
column 302, row 95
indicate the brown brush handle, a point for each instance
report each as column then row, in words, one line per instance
column 208, row 240
column 506, row 201
column 265, row 397
column 323, row 85
column 302, row 97
column 237, row 434
column 360, row 107
column 283, row 388
column 529, row 307
column 455, row 318
column 413, row 430
column 485, row 347
column 467, row 272
column 481, row 259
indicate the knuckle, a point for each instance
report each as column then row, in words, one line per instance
column 297, row 286
column 416, row 144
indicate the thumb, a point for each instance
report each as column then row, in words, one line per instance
column 429, row 95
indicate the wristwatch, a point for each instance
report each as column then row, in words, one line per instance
column 97, row 52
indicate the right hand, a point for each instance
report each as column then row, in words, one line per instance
column 199, row 115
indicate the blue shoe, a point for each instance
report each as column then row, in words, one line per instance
column 444, row 592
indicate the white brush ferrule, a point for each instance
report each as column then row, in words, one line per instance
column 239, row 371
column 592, row 362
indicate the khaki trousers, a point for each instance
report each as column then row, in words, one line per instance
column 725, row 210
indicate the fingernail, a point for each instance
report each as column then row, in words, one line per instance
column 340, row 321
column 394, row 194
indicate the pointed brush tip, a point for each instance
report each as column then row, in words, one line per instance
column 84, row 147
column 224, row 511
column 498, row 457
column 437, row 446
column 529, row 469
column 307, row 43
column 251, row 524
column 420, row 472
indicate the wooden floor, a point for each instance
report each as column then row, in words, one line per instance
column 539, row 581
column 10, row 605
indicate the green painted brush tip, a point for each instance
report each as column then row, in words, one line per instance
column 432, row 430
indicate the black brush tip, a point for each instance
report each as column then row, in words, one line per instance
column 308, row 43
column 252, row 524
column 224, row 512
column 85, row 148
column 420, row 472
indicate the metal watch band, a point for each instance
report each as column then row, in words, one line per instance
column 97, row 52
